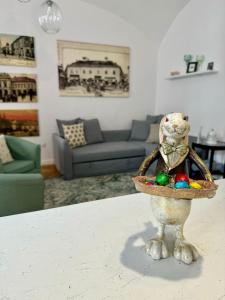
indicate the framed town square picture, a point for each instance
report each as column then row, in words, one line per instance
column 19, row 122
column 20, row 88
column 17, row 50
column 93, row 70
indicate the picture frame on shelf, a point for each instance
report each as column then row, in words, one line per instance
column 192, row 67
column 210, row 66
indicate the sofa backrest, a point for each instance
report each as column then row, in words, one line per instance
column 116, row 135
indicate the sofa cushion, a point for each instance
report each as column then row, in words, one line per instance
column 93, row 132
column 19, row 166
column 60, row 124
column 139, row 130
column 154, row 119
column 5, row 155
column 74, row 134
column 109, row 150
column 153, row 137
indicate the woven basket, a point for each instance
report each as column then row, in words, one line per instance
column 208, row 189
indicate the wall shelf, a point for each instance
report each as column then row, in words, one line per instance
column 201, row 73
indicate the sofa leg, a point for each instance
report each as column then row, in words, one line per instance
column 67, row 177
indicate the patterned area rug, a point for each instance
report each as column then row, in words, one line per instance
column 60, row 193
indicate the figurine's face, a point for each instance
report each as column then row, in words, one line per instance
column 175, row 126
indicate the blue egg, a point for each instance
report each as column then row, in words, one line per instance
column 181, row 185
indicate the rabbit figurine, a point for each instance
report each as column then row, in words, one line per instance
column 172, row 154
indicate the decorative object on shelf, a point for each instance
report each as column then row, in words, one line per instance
column 17, row 50
column 200, row 58
column 93, row 70
column 174, row 73
column 210, row 66
column 171, row 204
column 19, row 88
column 50, row 17
column 211, row 137
column 200, row 137
column 192, row 67
column 188, row 58
column 19, row 122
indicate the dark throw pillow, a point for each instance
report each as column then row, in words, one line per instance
column 139, row 130
column 93, row 133
column 60, row 124
column 154, row 119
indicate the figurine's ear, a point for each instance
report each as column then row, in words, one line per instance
column 185, row 118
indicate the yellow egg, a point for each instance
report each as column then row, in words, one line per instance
column 195, row 185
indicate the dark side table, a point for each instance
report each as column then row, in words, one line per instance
column 209, row 150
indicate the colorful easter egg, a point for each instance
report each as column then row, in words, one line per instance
column 149, row 183
column 181, row 177
column 162, row 179
column 195, row 185
column 181, row 185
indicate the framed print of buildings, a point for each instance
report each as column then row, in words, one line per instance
column 20, row 88
column 93, row 70
column 19, row 123
column 17, row 50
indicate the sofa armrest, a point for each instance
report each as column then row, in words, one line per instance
column 116, row 135
column 63, row 156
column 23, row 150
column 21, row 193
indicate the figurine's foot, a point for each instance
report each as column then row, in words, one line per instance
column 156, row 248
column 185, row 252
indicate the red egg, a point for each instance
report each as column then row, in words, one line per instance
column 181, row 177
column 149, row 183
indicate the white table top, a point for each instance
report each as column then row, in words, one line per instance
column 95, row 251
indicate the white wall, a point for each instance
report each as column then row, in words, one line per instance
column 198, row 29
column 87, row 23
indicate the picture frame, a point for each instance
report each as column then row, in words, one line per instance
column 18, row 88
column 192, row 67
column 17, row 50
column 210, row 66
column 93, row 70
column 20, row 122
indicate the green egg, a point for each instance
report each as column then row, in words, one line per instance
column 162, row 179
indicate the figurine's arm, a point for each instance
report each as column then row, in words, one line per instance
column 200, row 164
column 148, row 161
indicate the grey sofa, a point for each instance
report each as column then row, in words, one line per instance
column 117, row 153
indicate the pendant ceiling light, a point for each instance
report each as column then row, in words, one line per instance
column 50, row 17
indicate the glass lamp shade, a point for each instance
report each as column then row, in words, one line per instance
column 50, row 17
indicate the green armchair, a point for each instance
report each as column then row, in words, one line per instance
column 21, row 193
column 26, row 157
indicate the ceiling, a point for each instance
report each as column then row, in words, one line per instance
column 152, row 17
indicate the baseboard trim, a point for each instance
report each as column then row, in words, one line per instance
column 47, row 162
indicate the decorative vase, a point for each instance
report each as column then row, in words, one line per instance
column 200, row 59
column 188, row 58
